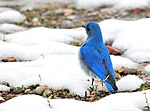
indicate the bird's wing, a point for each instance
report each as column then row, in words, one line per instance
column 93, row 59
column 100, row 65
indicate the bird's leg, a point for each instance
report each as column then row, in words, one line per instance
column 104, row 80
column 85, row 94
column 92, row 81
column 102, row 83
column 92, row 86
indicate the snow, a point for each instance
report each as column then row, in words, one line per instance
column 128, row 4
column 42, row 35
column 90, row 5
column 116, row 4
column 122, row 61
column 10, row 28
column 48, row 59
column 124, row 101
column 135, row 101
column 33, row 52
column 130, row 37
column 11, row 16
column 147, row 68
column 129, row 83
column 4, row 88
column 26, row 103
column 2, row 9
column 55, row 71
column 85, row 4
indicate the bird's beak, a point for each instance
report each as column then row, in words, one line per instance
column 83, row 26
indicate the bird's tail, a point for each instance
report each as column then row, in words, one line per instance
column 110, row 87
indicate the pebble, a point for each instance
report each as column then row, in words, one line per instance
column 9, row 59
column 68, row 12
column 27, row 91
column 40, row 89
column 118, row 76
column 47, row 92
column 120, row 69
column 2, row 100
column 55, row 12
column 35, row 19
column 67, row 23
column 72, row 17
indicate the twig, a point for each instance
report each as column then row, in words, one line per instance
column 148, row 107
column 40, row 77
column 4, row 39
column 48, row 100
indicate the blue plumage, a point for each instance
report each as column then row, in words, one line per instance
column 95, row 59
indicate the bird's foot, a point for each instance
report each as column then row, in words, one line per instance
column 91, row 88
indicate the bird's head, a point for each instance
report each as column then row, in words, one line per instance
column 92, row 28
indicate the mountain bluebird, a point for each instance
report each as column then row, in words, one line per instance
column 95, row 59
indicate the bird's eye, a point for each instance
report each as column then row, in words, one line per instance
column 88, row 29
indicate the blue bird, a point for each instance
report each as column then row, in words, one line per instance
column 95, row 59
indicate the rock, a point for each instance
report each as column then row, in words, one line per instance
column 72, row 17
column 40, row 89
column 139, row 71
column 55, row 12
column 2, row 100
column 35, row 19
column 27, row 91
column 136, row 10
column 118, row 76
column 68, row 12
column 14, row 90
column 145, row 64
column 113, row 51
column 67, row 23
column 47, row 92
column 36, row 24
column 120, row 69
column 9, row 59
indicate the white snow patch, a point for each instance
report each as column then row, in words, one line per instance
column 85, row 4
column 11, row 16
column 33, row 52
column 42, row 35
column 56, row 71
column 4, row 88
column 2, row 9
column 26, row 103
column 110, row 30
column 130, row 4
column 10, row 28
column 130, row 37
column 124, row 101
column 122, row 61
column 129, row 83
column 147, row 68
column 116, row 4
column 90, row 5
